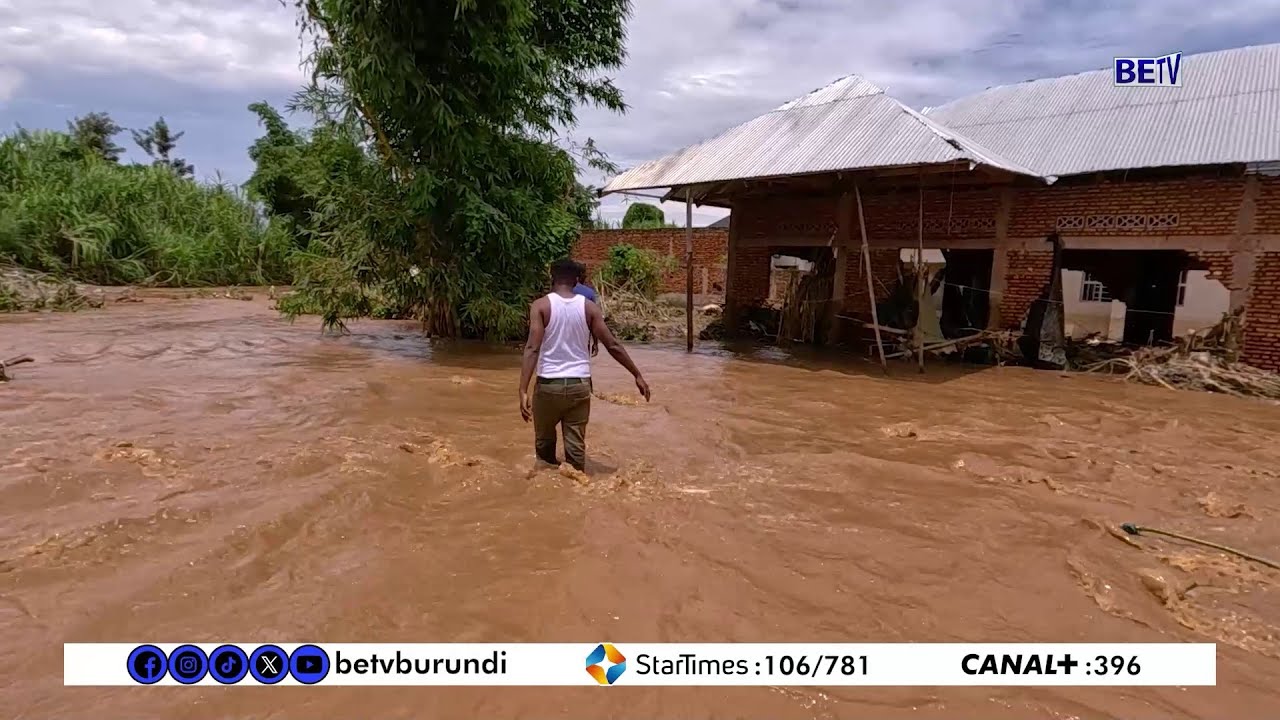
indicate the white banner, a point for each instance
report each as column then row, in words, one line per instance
column 641, row 664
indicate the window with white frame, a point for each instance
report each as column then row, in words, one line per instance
column 1092, row 290
column 1182, row 289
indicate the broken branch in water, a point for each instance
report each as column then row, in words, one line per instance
column 6, row 364
column 1135, row 529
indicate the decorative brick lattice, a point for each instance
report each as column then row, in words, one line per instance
column 959, row 225
column 805, row 229
column 1123, row 221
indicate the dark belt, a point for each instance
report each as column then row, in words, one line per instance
column 562, row 381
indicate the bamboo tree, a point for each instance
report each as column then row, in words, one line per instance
column 470, row 197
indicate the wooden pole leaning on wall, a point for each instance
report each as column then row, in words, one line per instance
column 871, row 293
column 688, row 268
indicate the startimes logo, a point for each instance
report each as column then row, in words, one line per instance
column 596, row 660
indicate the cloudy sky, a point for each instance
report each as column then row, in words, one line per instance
column 696, row 66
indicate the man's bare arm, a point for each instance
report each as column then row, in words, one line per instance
column 601, row 332
column 532, row 348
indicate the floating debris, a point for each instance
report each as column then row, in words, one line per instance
column 619, row 399
column 6, row 364
column 569, row 471
column 1214, row 506
column 1207, row 362
column 900, row 430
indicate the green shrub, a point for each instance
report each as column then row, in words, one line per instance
column 636, row 270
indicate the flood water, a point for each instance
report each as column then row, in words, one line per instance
column 200, row 470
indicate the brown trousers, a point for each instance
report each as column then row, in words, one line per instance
column 565, row 402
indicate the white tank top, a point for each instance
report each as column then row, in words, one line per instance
column 566, row 344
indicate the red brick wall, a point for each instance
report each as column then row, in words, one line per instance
column 809, row 218
column 1027, row 275
column 1217, row 262
column 1204, row 206
column 710, row 248
column 752, row 268
column 1267, row 206
column 1262, row 314
column 964, row 214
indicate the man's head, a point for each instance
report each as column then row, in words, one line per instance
column 582, row 273
column 565, row 272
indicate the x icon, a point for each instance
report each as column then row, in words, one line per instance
column 268, row 665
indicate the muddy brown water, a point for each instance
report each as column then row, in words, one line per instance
column 201, row 470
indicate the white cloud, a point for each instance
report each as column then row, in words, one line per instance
column 695, row 67
column 698, row 67
column 216, row 44
column 10, row 82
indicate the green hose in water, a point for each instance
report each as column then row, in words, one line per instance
column 1133, row 529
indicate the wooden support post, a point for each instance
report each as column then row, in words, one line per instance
column 922, row 276
column 842, row 246
column 731, row 257
column 837, row 294
column 688, row 266
column 999, row 261
column 871, row 291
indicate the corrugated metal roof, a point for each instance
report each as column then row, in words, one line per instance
column 1226, row 111
column 848, row 125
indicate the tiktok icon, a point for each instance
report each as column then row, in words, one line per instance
column 228, row 664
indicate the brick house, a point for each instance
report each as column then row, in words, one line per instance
column 1141, row 184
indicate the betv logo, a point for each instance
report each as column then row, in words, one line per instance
column 1162, row 71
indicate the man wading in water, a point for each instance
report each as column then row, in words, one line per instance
column 562, row 325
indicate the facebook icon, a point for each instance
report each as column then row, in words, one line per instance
column 147, row 664
column 1163, row 71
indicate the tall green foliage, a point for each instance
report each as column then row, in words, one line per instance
column 280, row 157
column 94, row 134
column 470, row 198
column 643, row 216
column 159, row 142
column 69, row 212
